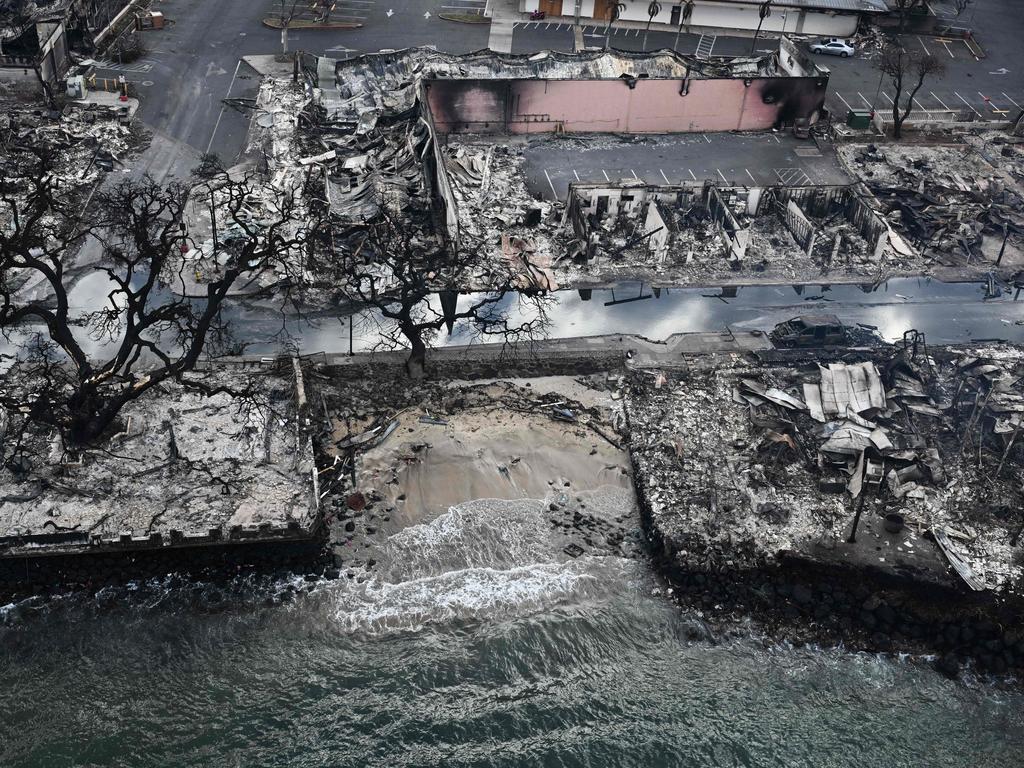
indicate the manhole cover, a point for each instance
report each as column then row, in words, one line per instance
column 147, row 83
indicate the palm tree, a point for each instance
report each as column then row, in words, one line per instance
column 652, row 10
column 763, row 12
column 684, row 17
column 613, row 15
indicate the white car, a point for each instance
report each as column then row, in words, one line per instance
column 833, row 46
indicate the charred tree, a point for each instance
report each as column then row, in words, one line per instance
column 903, row 9
column 413, row 283
column 76, row 369
column 907, row 72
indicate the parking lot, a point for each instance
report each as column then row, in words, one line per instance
column 729, row 159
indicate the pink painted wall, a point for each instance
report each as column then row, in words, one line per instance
column 607, row 106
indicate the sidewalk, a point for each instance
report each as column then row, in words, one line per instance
column 504, row 14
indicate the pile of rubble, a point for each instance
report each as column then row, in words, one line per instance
column 960, row 205
column 701, row 234
column 739, row 463
column 180, row 466
column 499, row 218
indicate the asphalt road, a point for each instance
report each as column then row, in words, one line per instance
column 194, row 63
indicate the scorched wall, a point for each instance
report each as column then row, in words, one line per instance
column 612, row 106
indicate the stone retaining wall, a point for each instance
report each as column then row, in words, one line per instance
column 813, row 602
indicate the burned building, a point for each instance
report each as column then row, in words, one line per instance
column 904, row 461
column 181, row 470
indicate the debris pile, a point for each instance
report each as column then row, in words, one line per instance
column 961, row 205
column 496, row 209
column 739, row 463
column 706, row 233
column 180, row 467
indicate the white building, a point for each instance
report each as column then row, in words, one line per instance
column 830, row 18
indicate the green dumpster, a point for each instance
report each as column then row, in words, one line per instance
column 858, row 118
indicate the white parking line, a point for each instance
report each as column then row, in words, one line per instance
column 866, row 102
column 550, row 184
column 722, row 175
column 634, row 174
column 706, row 138
column 991, row 104
column 575, row 174
column 750, row 175
column 965, row 101
column 223, row 106
column 1018, row 106
column 944, row 106
column 776, row 139
column 888, row 97
column 691, row 174
column 664, row 176
column 929, row 53
column 843, row 100
column 605, row 175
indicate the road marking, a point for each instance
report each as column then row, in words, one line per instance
column 923, row 45
column 706, row 138
column 605, row 175
column 843, row 100
column 223, row 107
column 888, row 97
column 575, row 174
column 776, row 139
column 722, row 175
column 634, row 174
column 965, row 101
column 664, row 176
column 866, row 102
column 793, row 176
column 948, row 49
column 1018, row 106
column 750, row 175
column 991, row 104
column 691, row 174
column 550, row 184
column 940, row 101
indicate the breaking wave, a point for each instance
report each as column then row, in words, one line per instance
column 488, row 558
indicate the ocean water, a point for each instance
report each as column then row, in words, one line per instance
column 475, row 642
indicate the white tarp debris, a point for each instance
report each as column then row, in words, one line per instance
column 857, row 387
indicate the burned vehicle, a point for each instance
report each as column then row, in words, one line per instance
column 810, row 331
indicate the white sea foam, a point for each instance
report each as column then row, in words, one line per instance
column 464, row 595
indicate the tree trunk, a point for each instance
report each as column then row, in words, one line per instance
column 897, row 123
column 89, row 419
column 416, row 364
column 757, row 33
